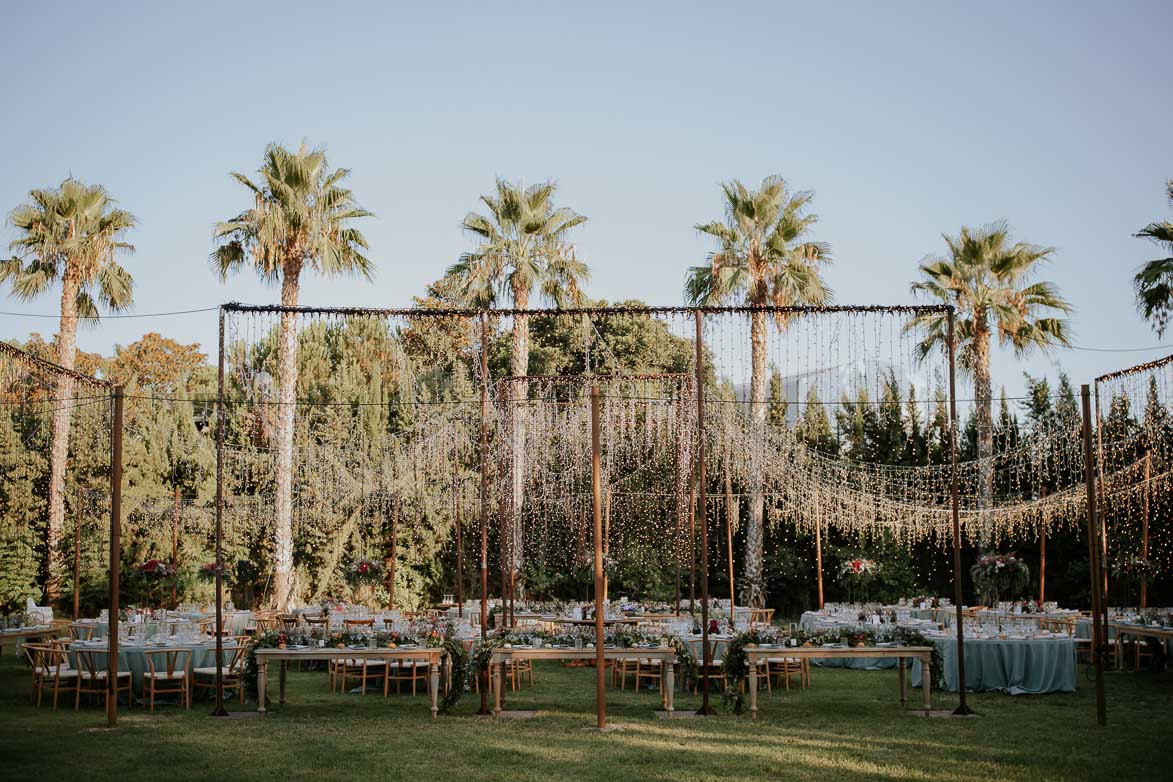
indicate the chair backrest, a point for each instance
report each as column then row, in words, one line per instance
column 358, row 622
column 81, row 632
column 317, row 621
column 92, row 661
column 289, row 621
column 172, row 660
column 265, row 625
column 45, row 656
column 236, row 664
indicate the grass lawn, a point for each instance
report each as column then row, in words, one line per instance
column 849, row 726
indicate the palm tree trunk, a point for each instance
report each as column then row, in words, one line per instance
column 519, row 368
column 59, row 443
column 984, row 423
column 755, row 588
column 286, row 409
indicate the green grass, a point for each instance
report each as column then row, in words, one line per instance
column 849, row 726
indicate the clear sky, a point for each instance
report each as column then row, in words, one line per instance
column 907, row 119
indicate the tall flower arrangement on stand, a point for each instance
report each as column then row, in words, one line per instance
column 154, row 577
column 363, row 575
column 999, row 575
column 858, row 573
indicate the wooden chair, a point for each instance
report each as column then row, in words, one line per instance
column 81, row 631
column 762, row 616
column 232, row 673
column 406, row 670
column 167, row 674
column 518, row 670
column 351, row 624
column 648, row 669
column 50, row 664
column 92, row 678
column 289, row 621
column 263, row 625
column 363, row 669
column 786, row 667
column 713, row 671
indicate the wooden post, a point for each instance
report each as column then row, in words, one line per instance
column 1043, row 555
column 1099, row 632
column 175, row 548
column 1144, row 526
column 115, row 560
column 484, row 686
column 702, row 507
column 596, row 507
column 819, row 558
column 77, row 554
column 730, row 520
column 955, row 508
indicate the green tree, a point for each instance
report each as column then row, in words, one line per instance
column 988, row 281
column 300, row 218
column 1154, row 282
column 763, row 258
column 70, row 235
column 522, row 245
column 776, row 410
column 814, row 427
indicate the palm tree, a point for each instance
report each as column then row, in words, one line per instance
column 521, row 246
column 300, row 219
column 72, row 235
column 763, row 260
column 987, row 280
column 1154, row 282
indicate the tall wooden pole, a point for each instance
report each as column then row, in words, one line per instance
column 730, row 514
column 218, row 710
column 597, row 510
column 702, row 507
column 484, row 685
column 1144, row 526
column 77, row 553
column 175, row 547
column 1099, row 634
column 819, row 558
column 955, row 507
column 115, row 560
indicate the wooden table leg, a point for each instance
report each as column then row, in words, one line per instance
column 497, row 682
column 434, row 675
column 670, row 688
column 753, row 689
column 281, row 680
column 926, row 679
column 262, row 676
column 900, row 666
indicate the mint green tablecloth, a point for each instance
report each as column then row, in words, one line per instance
column 133, row 658
column 1018, row 667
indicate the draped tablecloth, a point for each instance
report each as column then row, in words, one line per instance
column 133, row 657
column 812, row 621
column 1029, row 666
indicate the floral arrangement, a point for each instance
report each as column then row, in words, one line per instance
column 207, row 572
column 859, row 570
column 995, row 575
column 364, row 572
column 1134, row 568
column 155, row 570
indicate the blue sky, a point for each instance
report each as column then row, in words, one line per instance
column 907, row 119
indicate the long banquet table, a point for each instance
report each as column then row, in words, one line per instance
column 19, row 635
column 434, row 655
column 1018, row 666
column 133, row 656
column 502, row 656
column 920, row 656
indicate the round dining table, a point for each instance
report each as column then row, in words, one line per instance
column 1018, row 666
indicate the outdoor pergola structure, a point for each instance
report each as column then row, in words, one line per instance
column 48, row 392
column 718, row 346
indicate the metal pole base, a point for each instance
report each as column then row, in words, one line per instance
column 219, row 711
column 964, row 711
